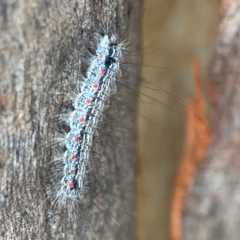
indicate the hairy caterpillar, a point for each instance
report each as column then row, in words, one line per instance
column 83, row 120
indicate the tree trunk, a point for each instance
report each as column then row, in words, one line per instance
column 42, row 52
column 212, row 208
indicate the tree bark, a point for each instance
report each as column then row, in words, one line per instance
column 42, row 50
column 212, row 208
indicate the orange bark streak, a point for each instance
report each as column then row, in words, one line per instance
column 197, row 141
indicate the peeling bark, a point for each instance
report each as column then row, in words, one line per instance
column 212, row 209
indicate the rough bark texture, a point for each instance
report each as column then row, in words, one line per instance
column 42, row 47
column 212, row 210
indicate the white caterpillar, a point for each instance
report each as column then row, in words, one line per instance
column 88, row 106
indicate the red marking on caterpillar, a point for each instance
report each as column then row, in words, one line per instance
column 101, row 71
column 95, row 86
column 70, row 184
column 76, row 139
column 101, row 56
column 89, row 101
column 74, row 157
column 82, row 119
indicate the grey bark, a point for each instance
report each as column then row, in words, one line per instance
column 41, row 58
column 212, row 210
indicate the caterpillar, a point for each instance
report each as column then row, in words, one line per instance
column 83, row 120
